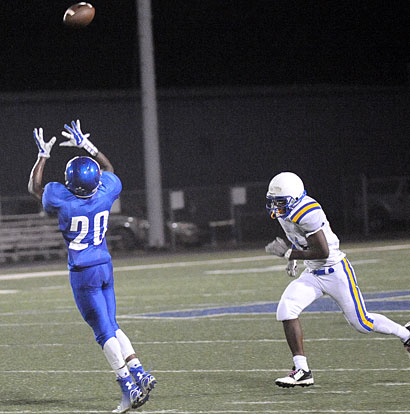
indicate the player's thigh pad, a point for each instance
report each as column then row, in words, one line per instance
column 299, row 294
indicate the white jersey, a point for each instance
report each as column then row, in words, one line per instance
column 304, row 220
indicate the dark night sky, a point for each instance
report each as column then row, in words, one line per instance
column 207, row 43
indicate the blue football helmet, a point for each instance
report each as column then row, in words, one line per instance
column 82, row 176
column 285, row 192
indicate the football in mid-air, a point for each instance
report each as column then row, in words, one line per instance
column 79, row 15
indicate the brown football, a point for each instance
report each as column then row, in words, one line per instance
column 79, row 15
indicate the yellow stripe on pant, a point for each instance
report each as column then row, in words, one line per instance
column 364, row 320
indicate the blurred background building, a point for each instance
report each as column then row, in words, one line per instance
column 245, row 90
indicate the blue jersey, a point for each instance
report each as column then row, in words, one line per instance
column 83, row 221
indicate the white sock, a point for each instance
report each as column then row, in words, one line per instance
column 300, row 362
column 123, row 372
column 126, row 347
column 112, row 351
column 135, row 363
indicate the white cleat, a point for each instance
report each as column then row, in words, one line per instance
column 295, row 378
column 124, row 406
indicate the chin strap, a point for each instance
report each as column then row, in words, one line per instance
column 299, row 200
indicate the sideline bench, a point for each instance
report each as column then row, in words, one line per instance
column 30, row 236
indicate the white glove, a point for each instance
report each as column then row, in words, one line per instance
column 292, row 268
column 279, row 248
column 77, row 139
column 44, row 148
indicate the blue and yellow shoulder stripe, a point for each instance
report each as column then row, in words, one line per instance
column 297, row 215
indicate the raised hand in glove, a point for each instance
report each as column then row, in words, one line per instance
column 44, row 148
column 77, row 139
column 292, row 268
column 279, row 248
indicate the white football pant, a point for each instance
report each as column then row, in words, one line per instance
column 342, row 286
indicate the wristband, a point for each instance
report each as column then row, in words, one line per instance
column 287, row 254
column 91, row 148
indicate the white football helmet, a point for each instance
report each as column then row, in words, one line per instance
column 285, row 191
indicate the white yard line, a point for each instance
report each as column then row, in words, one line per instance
column 53, row 273
column 277, row 268
column 200, row 371
column 205, row 342
column 234, row 411
column 30, row 275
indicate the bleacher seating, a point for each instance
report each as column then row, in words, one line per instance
column 30, row 236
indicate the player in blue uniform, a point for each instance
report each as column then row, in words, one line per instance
column 83, row 206
column 310, row 238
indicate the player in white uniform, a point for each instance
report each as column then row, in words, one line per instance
column 327, row 272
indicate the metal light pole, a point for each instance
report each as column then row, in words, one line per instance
column 150, row 126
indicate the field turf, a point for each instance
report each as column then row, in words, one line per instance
column 205, row 323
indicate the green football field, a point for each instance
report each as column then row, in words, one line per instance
column 205, row 323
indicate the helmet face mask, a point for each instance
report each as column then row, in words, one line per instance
column 285, row 191
column 278, row 204
column 82, row 176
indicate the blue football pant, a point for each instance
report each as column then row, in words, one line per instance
column 93, row 290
